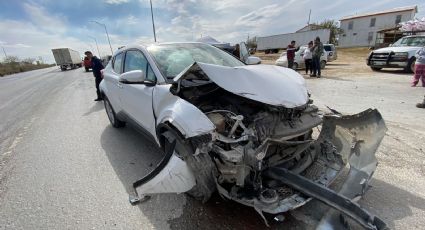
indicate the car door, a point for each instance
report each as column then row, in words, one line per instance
column 136, row 99
column 111, row 78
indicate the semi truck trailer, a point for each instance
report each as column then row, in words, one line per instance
column 67, row 58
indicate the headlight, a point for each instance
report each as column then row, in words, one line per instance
column 400, row 56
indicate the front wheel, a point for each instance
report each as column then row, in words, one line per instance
column 201, row 165
column 410, row 68
column 115, row 122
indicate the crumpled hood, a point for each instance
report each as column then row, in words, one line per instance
column 268, row 84
column 397, row 49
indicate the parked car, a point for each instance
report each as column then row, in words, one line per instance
column 86, row 64
column 299, row 60
column 242, row 130
column 331, row 52
column 401, row 54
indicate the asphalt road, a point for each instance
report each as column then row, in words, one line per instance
column 62, row 166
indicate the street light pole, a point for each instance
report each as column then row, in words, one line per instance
column 153, row 22
column 98, row 52
column 107, row 35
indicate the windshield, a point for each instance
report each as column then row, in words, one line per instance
column 171, row 59
column 410, row 41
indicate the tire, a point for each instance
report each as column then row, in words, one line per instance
column 201, row 166
column 322, row 64
column 410, row 66
column 295, row 66
column 375, row 68
column 115, row 122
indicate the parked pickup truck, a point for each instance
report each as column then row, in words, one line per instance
column 401, row 54
column 66, row 57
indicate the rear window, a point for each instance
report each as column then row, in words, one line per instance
column 327, row 48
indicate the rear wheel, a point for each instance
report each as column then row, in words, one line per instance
column 115, row 122
column 201, row 165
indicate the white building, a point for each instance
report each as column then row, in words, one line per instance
column 361, row 29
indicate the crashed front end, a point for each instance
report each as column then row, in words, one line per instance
column 271, row 154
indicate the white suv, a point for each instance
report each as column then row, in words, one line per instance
column 401, row 54
column 245, row 131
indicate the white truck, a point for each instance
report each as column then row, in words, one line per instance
column 401, row 54
column 67, row 58
column 272, row 44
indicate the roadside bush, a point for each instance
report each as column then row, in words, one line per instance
column 7, row 68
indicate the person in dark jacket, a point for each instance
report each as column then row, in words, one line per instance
column 318, row 51
column 97, row 66
column 290, row 54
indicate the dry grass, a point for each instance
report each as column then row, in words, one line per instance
column 11, row 68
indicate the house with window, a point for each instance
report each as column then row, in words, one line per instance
column 361, row 29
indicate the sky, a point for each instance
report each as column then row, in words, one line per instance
column 31, row 28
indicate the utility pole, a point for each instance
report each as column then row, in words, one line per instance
column 98, row 52
column 309, row 14
column 107, row 35
column 4, row 51
column 153, row 22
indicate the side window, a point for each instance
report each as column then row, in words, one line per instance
column 372, row 22
column 397, row 19
column 370, row 36
column 150, row 75
column 116, row 65
column 135, row 60
column 350, row 25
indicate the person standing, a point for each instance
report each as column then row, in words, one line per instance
column 318, row 51
column 97, row 66
column 290, row 54
column 307, row 56
column 419, row 67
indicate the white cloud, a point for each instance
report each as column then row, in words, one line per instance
column 116, row 2
column 45, row 20
column 260, row 16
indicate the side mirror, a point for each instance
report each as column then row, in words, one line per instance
column 133, row 77
column 390, row 45
column 252, row 60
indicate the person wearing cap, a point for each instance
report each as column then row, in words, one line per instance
column 318, row 51
column 97, row 66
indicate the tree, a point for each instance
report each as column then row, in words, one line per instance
column 333, row 26
column 28, row 60
column 11, row 59
column 251, row 42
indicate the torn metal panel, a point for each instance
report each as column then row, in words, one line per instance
column 174, row 178
column 272, row 85
column 188, row 119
